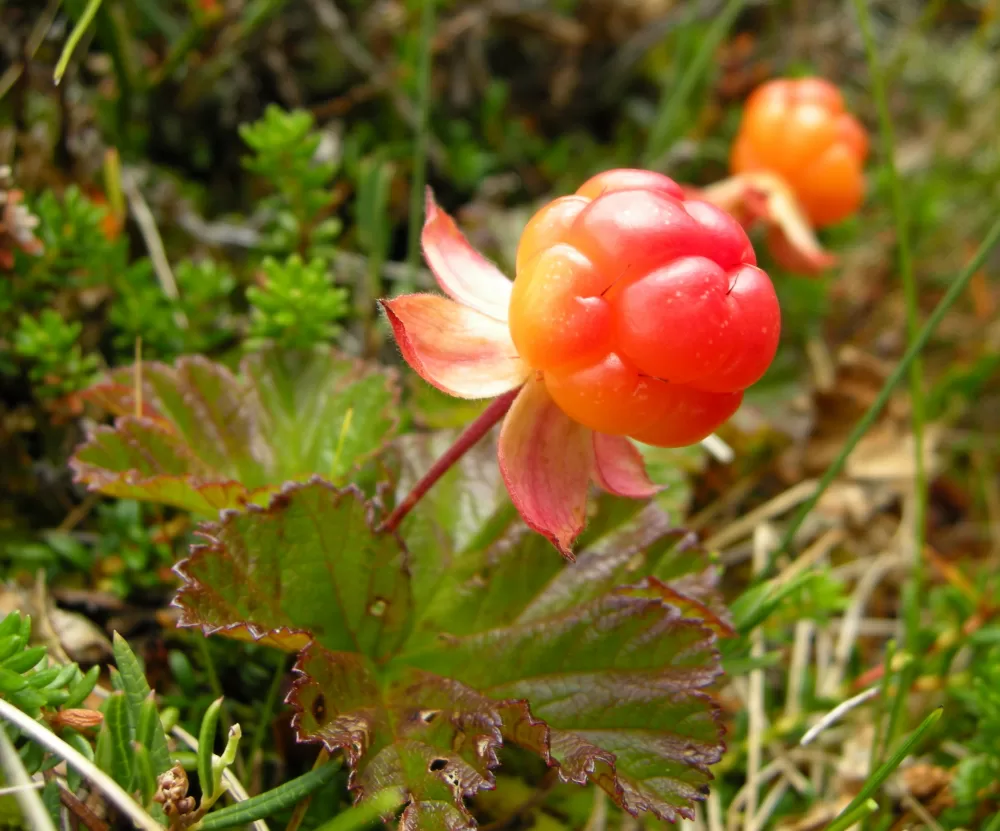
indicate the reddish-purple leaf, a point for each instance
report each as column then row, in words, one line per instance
column 531, row 630
column 619, row 682
column 433, row 737
column 602, row 667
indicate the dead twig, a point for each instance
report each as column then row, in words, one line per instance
column 836, row 713
column 78, row 808
column 745, row 525
column 154, row 243
column 829, row 683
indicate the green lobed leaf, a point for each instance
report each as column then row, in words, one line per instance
column 432, row 737
column 425, row 659
column 307, row 566
column 464, row 500
column 209, row 440
column 514, row 579
column 618, row 681
column 464, row 511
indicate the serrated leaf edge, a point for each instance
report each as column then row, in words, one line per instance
column 100, row 479
column 523, row 707
column 353, row 754
column 97, row 478
column 211, row 532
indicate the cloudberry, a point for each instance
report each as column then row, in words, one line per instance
column 799, row 129
column 644, row 312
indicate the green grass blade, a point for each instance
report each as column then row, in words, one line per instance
column 270, row 701
column 206, row 745
column 912, row 591
column 150, row 733
column 850, row 815
column 144, row 780
column 875, row 758
column 153, row 12
column 760, row 601
column 266, row 804
column 133, row 679
column 89, row 13
column 916, row 346
column 674, row 99
column 862, row 811
column 882, row 741
column 365, row 814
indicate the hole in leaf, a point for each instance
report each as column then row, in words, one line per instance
column 437, row 765
column 319, row 708
column 377, row 607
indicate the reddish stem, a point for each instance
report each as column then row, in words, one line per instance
column 469, row 437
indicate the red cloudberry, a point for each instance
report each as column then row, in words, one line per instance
column 645, row 312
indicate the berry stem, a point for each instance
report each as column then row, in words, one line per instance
column 468, row 438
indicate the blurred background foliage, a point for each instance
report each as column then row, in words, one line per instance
column 213, row 174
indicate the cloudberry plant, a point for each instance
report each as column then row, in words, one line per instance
column 635, row 313
column 799, row 129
